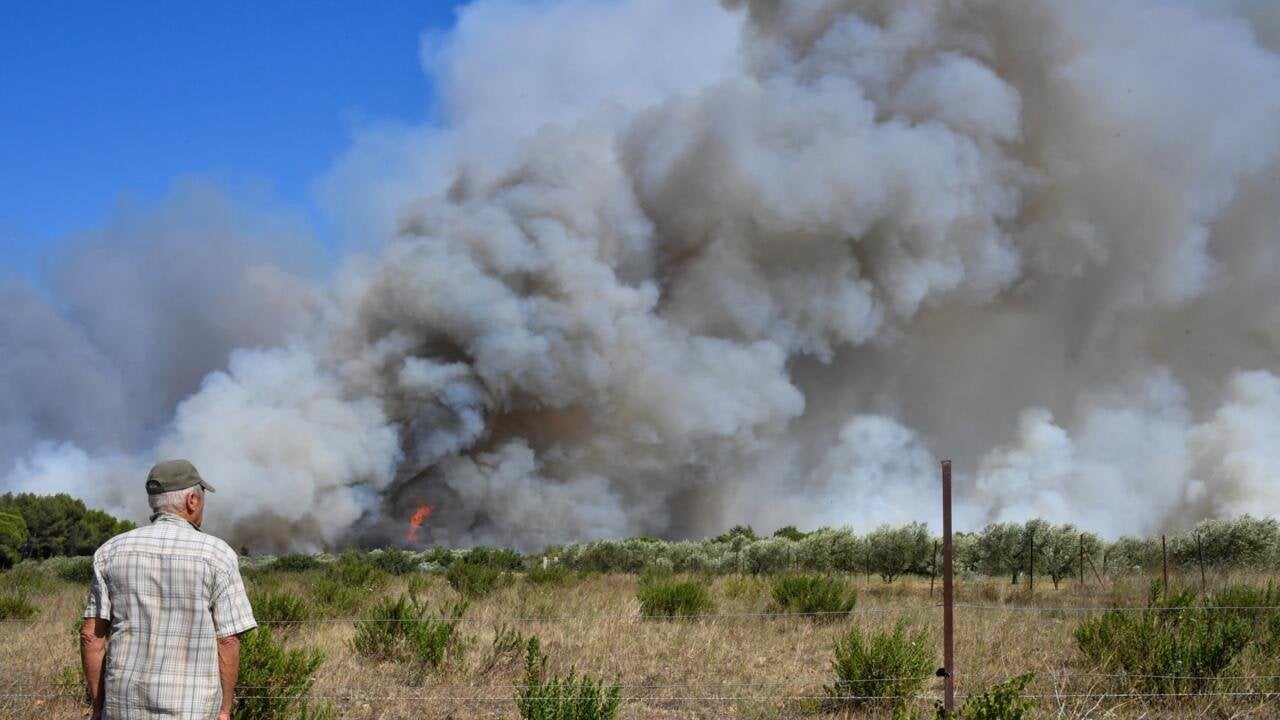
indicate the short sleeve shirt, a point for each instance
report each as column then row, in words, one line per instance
column 170, row 591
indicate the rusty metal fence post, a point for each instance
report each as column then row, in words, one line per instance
column 948, row 597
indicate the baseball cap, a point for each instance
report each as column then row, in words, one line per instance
column 172, row 475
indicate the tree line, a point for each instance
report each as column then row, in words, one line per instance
column 35, row 527
column 1008, row 549
column 38, row 527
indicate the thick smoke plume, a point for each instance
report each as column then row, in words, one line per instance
column 666, row 266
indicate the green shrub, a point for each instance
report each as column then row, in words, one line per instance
column 1173, row 647
column 1250, row 603
column 552, row 575
column 826, row 598
column 28, row 578
column 476, row 581
column 742, row 587
column 280, row 607
column 879, row 668
column 508, row 643
column 544, row 697
column 1000, row 702
column 279, row 678
column 438, row 556
column 674, row 600
column 331, row 598
column 295, row 562
column 402, row 630
column 355, row 571
column 78, row 570
column 497, row 558
column 16, row 607
column 394, row 561
column 657, row 573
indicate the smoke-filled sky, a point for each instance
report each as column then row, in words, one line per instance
column 663, row 266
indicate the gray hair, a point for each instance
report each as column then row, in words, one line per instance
column 175, row 502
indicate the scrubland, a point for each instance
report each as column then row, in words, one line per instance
column 738, row 651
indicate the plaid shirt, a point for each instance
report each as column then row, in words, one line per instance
column 169, row 591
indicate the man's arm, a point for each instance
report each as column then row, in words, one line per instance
column 228, row 671
column 93, row 650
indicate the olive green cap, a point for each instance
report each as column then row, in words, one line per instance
column 173, row 475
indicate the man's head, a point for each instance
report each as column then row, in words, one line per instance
column 174, row 486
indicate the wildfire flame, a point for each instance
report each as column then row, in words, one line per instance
column 415, row 521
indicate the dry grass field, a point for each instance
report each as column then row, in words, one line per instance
column 729, row 665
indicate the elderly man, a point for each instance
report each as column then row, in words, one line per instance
column 166, row 609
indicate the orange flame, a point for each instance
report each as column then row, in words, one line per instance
column 415, row 521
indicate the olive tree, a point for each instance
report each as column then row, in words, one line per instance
column 895, row 551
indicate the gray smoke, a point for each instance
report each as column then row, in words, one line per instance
column 667, row 266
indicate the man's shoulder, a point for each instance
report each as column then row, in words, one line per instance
column 172, row 537
column 124, row 539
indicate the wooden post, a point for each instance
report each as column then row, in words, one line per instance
column 1031, row 574
column 1095, row 570
column 1200, row 557
column 1082, row 560
column 1164, row 563
column 867, row 562
column 933, row 568
column 948, row 597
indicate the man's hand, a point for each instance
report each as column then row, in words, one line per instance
column 224, row 715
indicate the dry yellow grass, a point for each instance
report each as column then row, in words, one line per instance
column 727, row 666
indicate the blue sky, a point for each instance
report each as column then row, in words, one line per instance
column 101, row 99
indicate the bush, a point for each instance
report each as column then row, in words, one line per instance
column 1173, row 647
column 508, row 643
column 332, row 598
column 502, row 559
column 394, row 561
column 353, row 570
column 295, row 562
column 544, row 697
column 553, row 575
column 402, row 630
column 1000, row 702
column 1252, row 604
column 674, row 600
column 279, row 678
column 280, row 607
column 28, row 578
column 16, row 607
column 823, row 597
column 879, row 668
column 78, row 570
column 473, row 581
